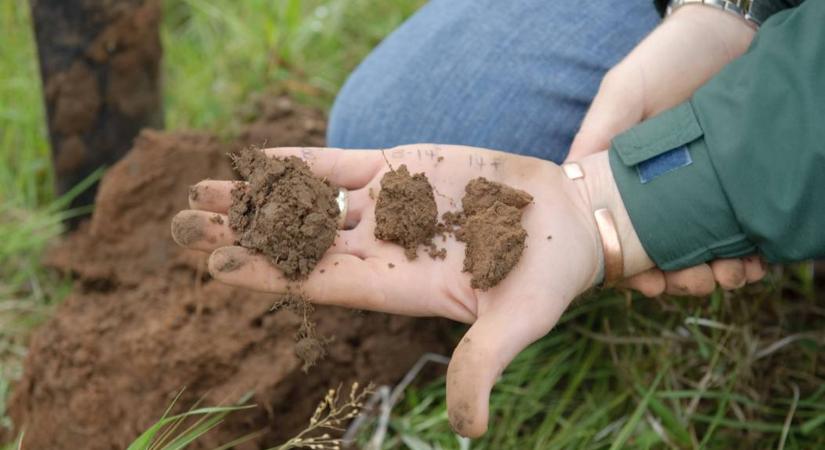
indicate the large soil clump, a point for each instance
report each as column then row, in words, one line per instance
column 405, row 212
column 490, row 225
column 144, row 319
column 283, row 211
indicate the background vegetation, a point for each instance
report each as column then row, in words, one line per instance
column 739, row 371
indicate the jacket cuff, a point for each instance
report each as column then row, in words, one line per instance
column 672, row 192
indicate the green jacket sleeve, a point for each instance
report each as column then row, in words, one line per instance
column 741, row 166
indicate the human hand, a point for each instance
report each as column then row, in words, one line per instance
column 561, row 259
column 664, row 70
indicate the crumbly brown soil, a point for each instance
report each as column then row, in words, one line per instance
column 490, row 225
column 405, row 212
column 283, row 211
column 144, row 319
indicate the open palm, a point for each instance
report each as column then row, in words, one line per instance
column 559, row 262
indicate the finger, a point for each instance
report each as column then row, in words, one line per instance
column 755, row 268
column 486, row 349
column 350, row 277
column 651, row 283
column 359, row 203
column 352, row 169
column 696, row 281
column 588, row 142
column 216, row 196
column 729, row 273
column 201, row 230
column 615, row 108
column 342, row 280
column 211, row 195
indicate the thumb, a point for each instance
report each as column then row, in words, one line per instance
column 478, row 360
column 617, row 106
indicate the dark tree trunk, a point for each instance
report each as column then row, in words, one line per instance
column 99, row 63
column 819, row 275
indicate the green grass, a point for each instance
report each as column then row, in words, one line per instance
column 176, row 432
column 218, row 53
column 30, row 215
column 669, row 373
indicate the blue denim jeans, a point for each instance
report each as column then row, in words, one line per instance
column 515, row 75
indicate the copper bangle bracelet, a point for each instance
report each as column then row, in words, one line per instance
column 611, row 246
column 609, row 234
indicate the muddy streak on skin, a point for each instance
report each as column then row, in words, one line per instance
column 460, row 417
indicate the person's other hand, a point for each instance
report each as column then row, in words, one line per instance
column 561, row 259
column 664, row 70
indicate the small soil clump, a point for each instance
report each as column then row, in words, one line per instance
column 309, row 348
column 405, row 212
column 284, row 211
column 490, row 225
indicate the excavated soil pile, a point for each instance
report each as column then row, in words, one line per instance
column 405, row 212
column 490, row 225
column 144, row 319
column 283, row 211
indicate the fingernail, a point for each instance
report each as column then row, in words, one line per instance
column 193, row 192
column 229, row 264
column 187, row 228
column 225, row 261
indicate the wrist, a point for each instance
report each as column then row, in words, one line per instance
column 733, row 34
column 600, row 190
column 736, row 9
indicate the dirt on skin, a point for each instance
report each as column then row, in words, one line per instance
column 145, row 320
column 405, row 212
column 283, row 211
column 490, row 225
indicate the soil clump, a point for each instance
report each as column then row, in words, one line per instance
column 405, row 212
column 490, row 225
column 144, row 319
column 283, row 211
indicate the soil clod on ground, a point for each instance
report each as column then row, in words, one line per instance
column 490, row 225
column 284, row 211
column 405, row 212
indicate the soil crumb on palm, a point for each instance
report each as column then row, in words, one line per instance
column 490, row 225
column 405, row 212
column 284, row 211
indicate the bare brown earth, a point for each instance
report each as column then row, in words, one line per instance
column 144, row 319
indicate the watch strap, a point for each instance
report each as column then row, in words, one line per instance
column 741, row 8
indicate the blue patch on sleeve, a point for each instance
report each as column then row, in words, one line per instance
column 661, row 164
